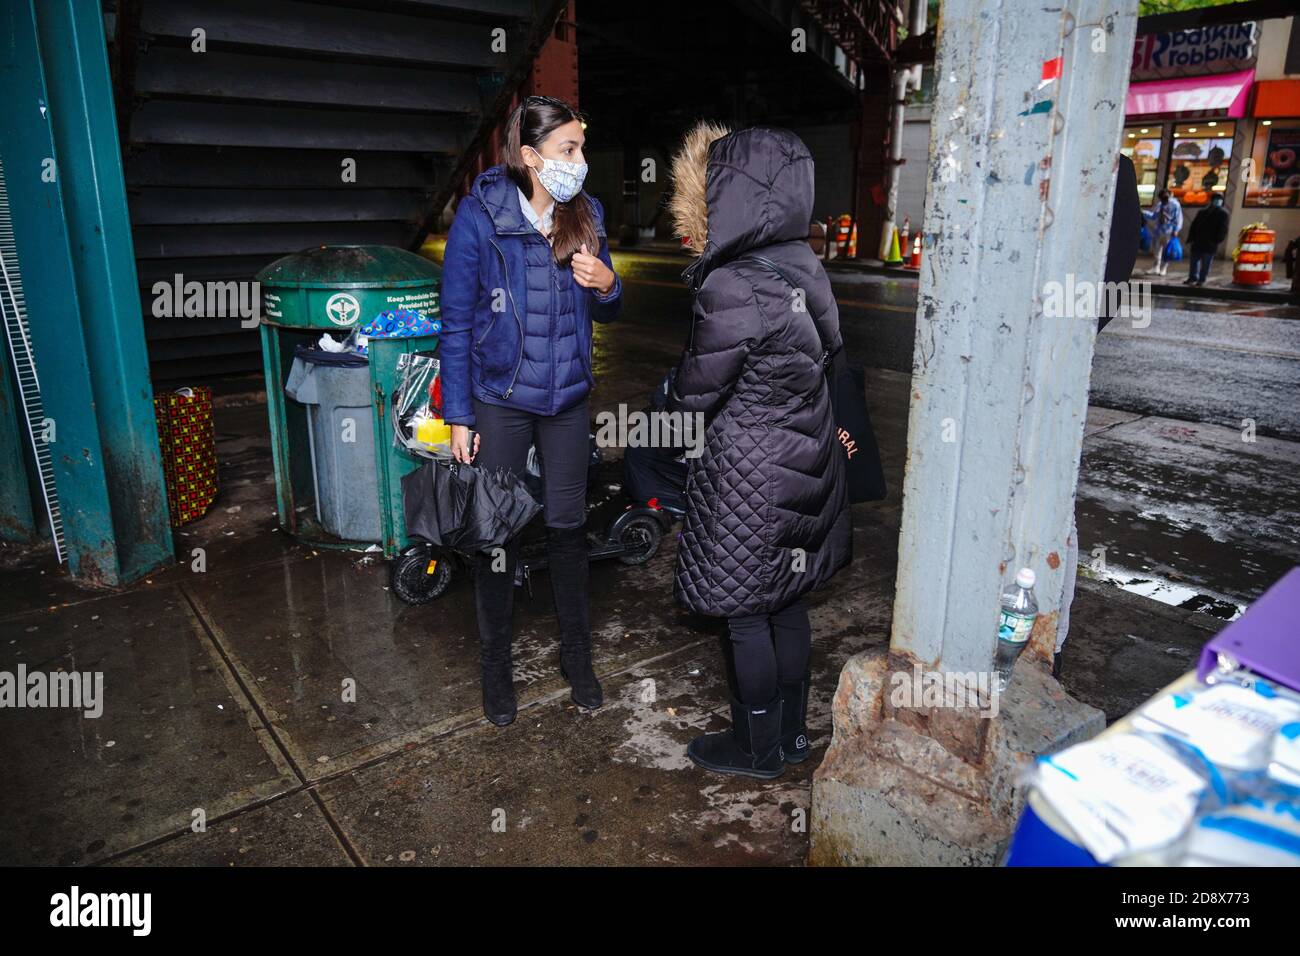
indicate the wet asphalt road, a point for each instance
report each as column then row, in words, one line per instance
column 1203, row 361
column 1198, row 360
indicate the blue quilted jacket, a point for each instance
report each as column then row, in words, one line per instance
column 516, row 327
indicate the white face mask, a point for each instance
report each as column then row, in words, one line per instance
column 561, row 179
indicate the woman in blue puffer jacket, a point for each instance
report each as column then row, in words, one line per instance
column 526, row 272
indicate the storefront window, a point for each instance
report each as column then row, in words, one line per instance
column 1200, row 160
column 1273, row 176
column 1142, row 145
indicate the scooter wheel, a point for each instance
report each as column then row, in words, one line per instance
column 420, row 576
column 640, row 537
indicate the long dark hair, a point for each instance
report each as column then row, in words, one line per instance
column 536, row 118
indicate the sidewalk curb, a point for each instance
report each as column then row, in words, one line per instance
column 876, row 267
column 1145, row 605
column 1227, row 293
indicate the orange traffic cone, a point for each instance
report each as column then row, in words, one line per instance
column 916, row 252
column 853, row 242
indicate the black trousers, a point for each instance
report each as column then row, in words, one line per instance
column 767, row 648
column 564, row 441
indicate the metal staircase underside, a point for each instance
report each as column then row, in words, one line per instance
column 234, row 156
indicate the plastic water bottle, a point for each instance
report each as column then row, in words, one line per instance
column 1019, row 609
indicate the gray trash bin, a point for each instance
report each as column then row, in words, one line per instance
column 340, row 430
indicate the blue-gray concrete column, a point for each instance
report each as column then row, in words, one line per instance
column 1024, row 144
column 1020, row 186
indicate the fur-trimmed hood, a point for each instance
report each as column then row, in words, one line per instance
column 734, row 192
column 688, row 206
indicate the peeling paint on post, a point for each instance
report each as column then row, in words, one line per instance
column 1020, row 195
column 935, row 784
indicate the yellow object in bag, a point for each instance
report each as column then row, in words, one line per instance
column 432, row 431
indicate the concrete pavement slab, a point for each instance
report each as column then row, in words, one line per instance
column 614, row 786
column 174, row 735
column 290, row 831
column 1120, row 645
column 296, row 635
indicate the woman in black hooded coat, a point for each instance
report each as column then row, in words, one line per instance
column 767, row 504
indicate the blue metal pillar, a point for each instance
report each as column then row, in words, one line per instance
column 67, row 197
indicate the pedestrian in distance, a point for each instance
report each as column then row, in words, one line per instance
column 1166, row 217
column 1208, row 230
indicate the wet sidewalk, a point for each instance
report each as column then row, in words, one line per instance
column 224, row 696
column 1219, row 283
column 224, row 689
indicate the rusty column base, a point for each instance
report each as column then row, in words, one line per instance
column 888, row 794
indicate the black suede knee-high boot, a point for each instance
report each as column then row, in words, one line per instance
column 567, row 559
column 494, row 598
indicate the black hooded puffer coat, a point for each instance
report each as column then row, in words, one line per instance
column 768, row 511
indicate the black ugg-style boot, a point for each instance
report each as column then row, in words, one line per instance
column 794, row 719
column 494, row 598
column 567, row 558
column 751, row 748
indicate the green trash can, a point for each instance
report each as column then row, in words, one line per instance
column 335, row 289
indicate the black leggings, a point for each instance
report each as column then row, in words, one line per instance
column 767, row 648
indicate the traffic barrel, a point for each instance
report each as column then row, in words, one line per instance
column 1254, row 256
column 842, row 234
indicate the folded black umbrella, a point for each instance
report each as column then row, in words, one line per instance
column 464, row 508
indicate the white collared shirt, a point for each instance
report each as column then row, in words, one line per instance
column 545, row 223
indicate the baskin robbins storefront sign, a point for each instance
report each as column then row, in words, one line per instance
column 1219, row 49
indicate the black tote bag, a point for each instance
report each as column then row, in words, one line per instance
column 848, row 392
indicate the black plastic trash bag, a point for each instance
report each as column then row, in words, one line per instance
column 464, row 508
